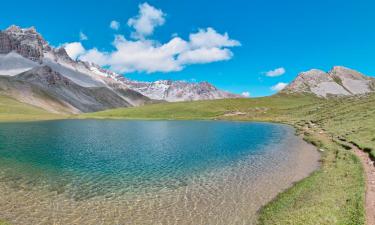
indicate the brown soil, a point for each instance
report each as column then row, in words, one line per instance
column 368, row 166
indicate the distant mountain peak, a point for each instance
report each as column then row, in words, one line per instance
column 16, row 29
column 341, row 71
column 339, row 81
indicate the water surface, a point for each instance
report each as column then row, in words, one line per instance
column 143, row 172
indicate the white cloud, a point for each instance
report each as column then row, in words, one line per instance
column 276, row 72
column 151, row 56
column 146, row 55
column 82, row 36
column 209, row 38
column 279, row 86
column 114, row 25
column 145, row 22
column 74, row 49
column 204, row 55
column 95, row 56
column 246, row 94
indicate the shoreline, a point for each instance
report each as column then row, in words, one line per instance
column 338, row 166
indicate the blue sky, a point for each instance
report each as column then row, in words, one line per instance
column 263, row 35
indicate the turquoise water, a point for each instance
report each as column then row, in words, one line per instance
column 94, row 157
column 145, row 172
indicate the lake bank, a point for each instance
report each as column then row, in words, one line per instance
column 334, row 194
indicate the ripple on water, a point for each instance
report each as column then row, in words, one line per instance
column 143, row 172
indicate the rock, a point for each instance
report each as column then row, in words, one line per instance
column 26, row 42
column 176, row 91
column 339, row 81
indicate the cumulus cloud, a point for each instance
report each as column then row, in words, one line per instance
column 209, row 38
column 95, row 56
column 246, row 94
column 276, row 72
column 279, row 86
column 82, row 36
column 146, row 55
column 74, row 49
column 145, row 22
column 150, row 56
column 204, row 55
column 114, row 25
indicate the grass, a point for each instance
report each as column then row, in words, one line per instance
column 331, row 195
column 264, row 109
column 13, row 110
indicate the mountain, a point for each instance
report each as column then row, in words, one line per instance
column 34, row 72
column 176, row 91
column 339, row 81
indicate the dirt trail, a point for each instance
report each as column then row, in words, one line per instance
column 369, row 169
column 368, row 166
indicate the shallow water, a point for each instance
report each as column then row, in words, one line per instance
column 145, row 172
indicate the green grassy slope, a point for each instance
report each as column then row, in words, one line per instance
column 351, row 120
column 13, row 110
column 332, row 195
column 266, row 108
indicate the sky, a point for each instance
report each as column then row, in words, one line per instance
column 250, row 47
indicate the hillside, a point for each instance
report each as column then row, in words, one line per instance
column 13, row 110
column 264, row 109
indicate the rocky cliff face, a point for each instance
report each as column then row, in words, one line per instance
column 26, row 42
column 25, row 50
column 339, row 81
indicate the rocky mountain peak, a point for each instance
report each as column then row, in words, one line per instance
column 339, row 81
column 62, row 54
column 18, row 30
column 25, row 41
column 344, row 72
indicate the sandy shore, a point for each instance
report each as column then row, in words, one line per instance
column 230, row 195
